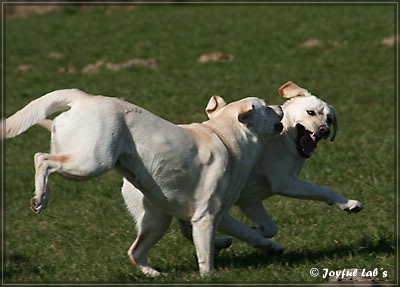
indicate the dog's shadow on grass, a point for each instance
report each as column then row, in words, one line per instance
column 18, row 264
column 228, row 259
column 310, row 255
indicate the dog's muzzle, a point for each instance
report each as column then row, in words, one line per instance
column 324, row 131
column 307, row 141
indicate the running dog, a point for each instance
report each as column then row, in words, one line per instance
column 307, row 120
column 193, row 172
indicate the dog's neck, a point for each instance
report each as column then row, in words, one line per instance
column 236, row 139
column 289, row 133
column 288, row 136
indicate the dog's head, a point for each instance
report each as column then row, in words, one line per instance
column 307, row 118
column 250, row 112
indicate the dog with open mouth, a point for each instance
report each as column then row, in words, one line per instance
column 193, row 172
column 310, row 124
column 306, row 121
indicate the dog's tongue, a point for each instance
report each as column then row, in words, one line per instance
column 308, row 144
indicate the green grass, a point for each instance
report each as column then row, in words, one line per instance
column 85, row 232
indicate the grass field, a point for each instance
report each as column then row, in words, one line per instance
column 85, row 232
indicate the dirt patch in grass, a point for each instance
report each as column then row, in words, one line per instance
column 216, row 57
column 326, row 45
column 390, row 41
column 96, row 67
column 18, row 11
column 15, row 10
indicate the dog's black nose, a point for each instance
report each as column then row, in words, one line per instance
column 324, row 131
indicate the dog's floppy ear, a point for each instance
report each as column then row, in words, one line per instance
column 246, row 115
column 214, row 104
column 291, row 90
column 334, row 123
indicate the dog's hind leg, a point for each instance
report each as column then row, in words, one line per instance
column 151, row 224
column 257, row 213
column 219, row 243
column 231, row 226
column 151, row 228
column 45, row 164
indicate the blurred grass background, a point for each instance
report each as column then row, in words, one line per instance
column 341, row 53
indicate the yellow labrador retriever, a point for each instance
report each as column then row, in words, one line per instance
column 194, row 172
column 307, row 119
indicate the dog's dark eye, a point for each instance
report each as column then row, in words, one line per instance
column 329, row 121
column 311, row 113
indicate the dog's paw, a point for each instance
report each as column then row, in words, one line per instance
column 352, row 206
column 208, row 274
column 274, row 249
column 222, row 243
column 37, row 206
column 150, row 272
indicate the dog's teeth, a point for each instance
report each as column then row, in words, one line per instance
column 314, row 136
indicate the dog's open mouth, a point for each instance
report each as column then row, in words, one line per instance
column 306, row 141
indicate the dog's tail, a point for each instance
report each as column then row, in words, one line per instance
column 38, row 110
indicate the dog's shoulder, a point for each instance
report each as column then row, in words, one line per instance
column 210, row 146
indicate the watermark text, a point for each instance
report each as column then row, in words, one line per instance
column 348, row 272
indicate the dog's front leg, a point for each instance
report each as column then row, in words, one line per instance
column 300, row 189
column 203, row 238
column 257, row 213
column 231, row 226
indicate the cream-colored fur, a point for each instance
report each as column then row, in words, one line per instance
column 193, row 172
column 307, row 119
